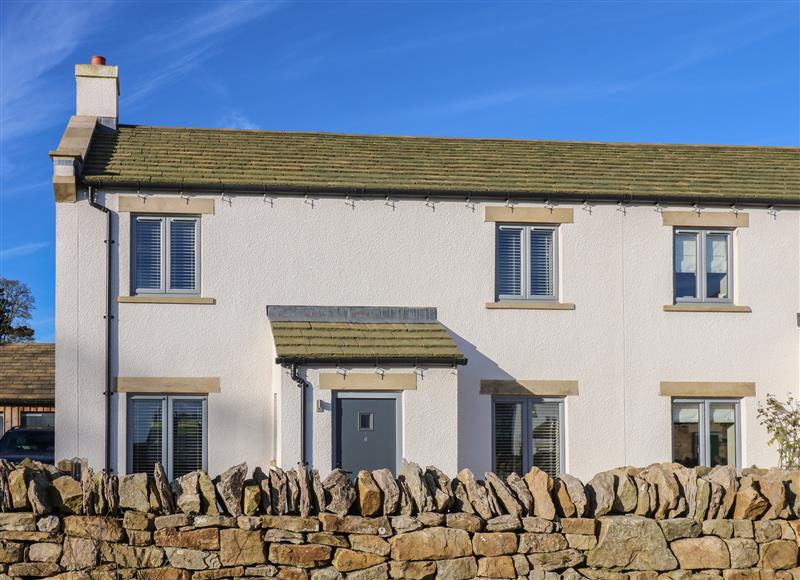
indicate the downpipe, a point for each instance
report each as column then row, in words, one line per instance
column 108, row 318
column 303, row 385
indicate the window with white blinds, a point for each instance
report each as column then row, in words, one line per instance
column 169, row 429
column 546, row 436
column 509, row 449
column 183, row 254
column 526, row 262
column 703, row 265
column 528, row 431
column 166, row 255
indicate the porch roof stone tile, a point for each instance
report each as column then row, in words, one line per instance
column 346, row 340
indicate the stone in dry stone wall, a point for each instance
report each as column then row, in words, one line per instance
column 476, row 495
column 431, row 544
column 240, row 547
column 133, row 492
column 389, row 490
column 230, row 486
column 631, row 543
column 340, row 493
column 701, row 553
column 369, row 494
column 541, row 486
column 521, row 491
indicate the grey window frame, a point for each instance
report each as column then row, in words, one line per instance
column 705, row 433
column 398, row 398
column 701, row 273
column 166, row 242
column 525, row 266
column 167, row 450
column 527, row 441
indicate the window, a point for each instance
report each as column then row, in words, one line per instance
column 169, row 429
column 705, row 432
column 38, row 419
column 365, row 421
column 526, row 263
column 528, row 432
column 703, row 266
column 166, row 255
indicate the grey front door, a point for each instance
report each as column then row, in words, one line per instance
column 366, row 433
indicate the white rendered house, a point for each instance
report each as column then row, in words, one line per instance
column 352, row 300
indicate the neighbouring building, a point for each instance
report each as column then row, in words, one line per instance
column 27, row 385
column 352, row 300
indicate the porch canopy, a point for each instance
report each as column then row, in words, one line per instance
column 361, row 335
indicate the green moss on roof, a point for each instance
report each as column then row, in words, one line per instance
column 323, row 162
column 364, row 341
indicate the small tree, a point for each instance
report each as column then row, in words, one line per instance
column 782, row 421
column 16, row 303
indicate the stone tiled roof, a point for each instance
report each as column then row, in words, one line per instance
column 343, row 334
column 320, row 163
column 27, row 372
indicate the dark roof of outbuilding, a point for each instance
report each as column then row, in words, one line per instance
column 27, row 372
column 320, row 163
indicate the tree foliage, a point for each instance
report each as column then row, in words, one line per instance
column 782, row 421
column 16, row 304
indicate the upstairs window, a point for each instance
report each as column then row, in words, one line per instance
column 703, row 266
column 526, row 263
column 165, row 255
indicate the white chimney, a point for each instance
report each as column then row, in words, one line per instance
column 98, row 91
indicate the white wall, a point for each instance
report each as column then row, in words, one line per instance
column 80, row 332
column 618, row 342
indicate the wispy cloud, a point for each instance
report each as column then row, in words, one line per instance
column 183, row 49
column 542, row 93
column 714, row 42
column 235, row 119
column 36, row 38
column 22, row 250
column 15, row 189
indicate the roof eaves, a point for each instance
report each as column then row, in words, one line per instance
column 487, row 195
column 371, row 361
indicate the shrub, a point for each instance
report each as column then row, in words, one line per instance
column 782, row 421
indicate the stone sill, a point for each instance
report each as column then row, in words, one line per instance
column 696, row 307
column 529, row 305
column 143, row 299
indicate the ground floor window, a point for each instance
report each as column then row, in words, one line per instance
column 169, row 429
column 705, row 432
column 38, row 419
column 528, row 431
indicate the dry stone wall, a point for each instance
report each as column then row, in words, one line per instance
column 663, row 521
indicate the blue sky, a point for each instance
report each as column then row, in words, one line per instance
column 687, row 72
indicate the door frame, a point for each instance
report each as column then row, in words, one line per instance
column 396, row 395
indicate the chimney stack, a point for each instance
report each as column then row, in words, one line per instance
column 97, row 92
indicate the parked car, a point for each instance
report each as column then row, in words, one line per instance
column 36, row 443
